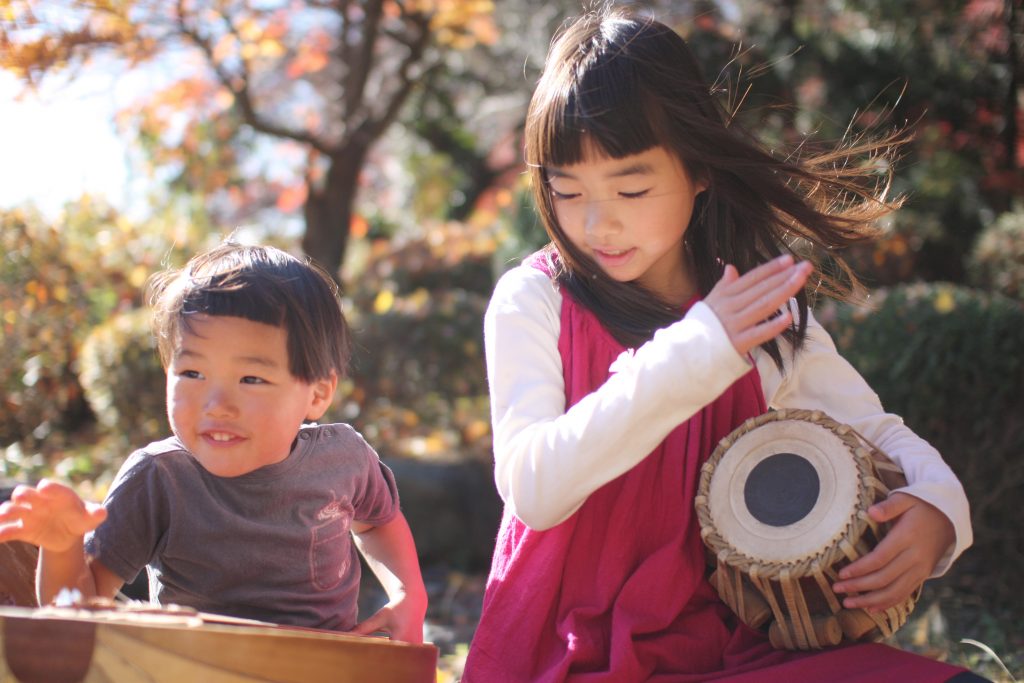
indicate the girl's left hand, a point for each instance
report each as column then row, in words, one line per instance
column 401, row 618
column 907, row 555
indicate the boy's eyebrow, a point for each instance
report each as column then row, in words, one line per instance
column 259, row 360
column 638, row 168
column 254, row 360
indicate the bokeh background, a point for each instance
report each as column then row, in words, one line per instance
column 382, row 139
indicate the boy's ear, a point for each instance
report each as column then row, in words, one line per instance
column 323, row 394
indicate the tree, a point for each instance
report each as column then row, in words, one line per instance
column 325, row 77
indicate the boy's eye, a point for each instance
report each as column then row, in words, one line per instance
column 190, row 374
column 250, row 379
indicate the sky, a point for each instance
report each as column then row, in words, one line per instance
column 61, row 143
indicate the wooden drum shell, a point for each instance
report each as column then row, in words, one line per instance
column 784, row 584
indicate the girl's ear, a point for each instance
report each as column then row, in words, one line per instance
column 323, row 394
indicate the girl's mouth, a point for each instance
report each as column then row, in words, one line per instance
column 613, row 257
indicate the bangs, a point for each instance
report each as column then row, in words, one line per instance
column 607, row 107
column 236, row 293
column 231, row 302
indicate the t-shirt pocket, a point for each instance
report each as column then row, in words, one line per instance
column 328, row 553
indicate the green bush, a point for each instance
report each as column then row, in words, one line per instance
column 417, row 383
column 997, row 260
column 950, row 360
column 43, row 309
column 120, row 370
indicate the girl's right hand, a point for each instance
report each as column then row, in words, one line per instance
column 51, row 516
column 745, row 303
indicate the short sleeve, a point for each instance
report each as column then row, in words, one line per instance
column 136, row 518
column 375, row 499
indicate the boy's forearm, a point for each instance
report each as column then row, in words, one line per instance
column 63, row 569
column 391, row 554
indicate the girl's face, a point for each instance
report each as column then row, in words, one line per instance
column 231, row 398
column 630, row 216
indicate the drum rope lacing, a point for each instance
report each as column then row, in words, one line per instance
column 796, row 627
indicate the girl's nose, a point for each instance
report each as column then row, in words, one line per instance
column 600, row 220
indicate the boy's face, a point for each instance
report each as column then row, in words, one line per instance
column 231, row 398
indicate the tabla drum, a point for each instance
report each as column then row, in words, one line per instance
column 172, row 645
column 782, row 505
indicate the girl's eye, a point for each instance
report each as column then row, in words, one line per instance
column 555, row 194
column 249, row 379
column 633, row 195
column 190, row 374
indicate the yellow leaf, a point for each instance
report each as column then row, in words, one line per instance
column 269, row 47
column 944, row 302
column 250, row 30
column 138, row 276
column 384, row 301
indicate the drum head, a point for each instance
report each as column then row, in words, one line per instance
column 784, row 492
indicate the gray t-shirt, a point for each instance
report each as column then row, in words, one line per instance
column 273, row 544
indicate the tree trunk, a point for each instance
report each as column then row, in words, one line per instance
column 1013, row 58
column 328, row 211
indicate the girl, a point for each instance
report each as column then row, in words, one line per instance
column 619, row 356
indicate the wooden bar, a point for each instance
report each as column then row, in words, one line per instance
column 105, row 646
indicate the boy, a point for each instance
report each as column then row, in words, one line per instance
column 245, row 511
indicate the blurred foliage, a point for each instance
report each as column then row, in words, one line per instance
column 950, row 361
column 119, row 369
column 44, row 306
column 60, row 279
column 417, row 384
column 947, row 70
column 997, row 261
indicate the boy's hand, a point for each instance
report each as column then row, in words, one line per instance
column 402, row 619
column 745, row 303
column 51, row 516
column 903, row 560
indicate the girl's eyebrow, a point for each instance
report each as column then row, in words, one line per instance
column 638, row 168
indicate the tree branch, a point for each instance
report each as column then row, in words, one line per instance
column 240, row 91
column 375, row 126
column 362, row 62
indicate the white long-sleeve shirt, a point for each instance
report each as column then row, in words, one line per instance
column 548, row 460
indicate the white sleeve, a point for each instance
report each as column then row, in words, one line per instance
column 549, row 459
column 819, row 378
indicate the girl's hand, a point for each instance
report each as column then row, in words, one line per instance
column 402, row 619
column 745, row 303
column 51, row 516
column 907, row 555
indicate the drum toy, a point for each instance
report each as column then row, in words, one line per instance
column 782, row 505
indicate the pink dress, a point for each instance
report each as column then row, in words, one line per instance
column 617, row 592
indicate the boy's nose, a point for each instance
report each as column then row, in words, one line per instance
column 220, row 403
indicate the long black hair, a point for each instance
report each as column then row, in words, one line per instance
column 627, row 83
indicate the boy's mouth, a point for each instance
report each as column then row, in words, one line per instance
column 219, row 437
